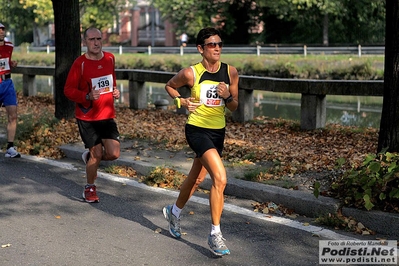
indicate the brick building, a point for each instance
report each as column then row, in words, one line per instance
column 142, row 26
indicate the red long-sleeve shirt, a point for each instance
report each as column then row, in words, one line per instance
column 85, row 75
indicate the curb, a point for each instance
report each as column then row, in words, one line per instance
column 303, row 203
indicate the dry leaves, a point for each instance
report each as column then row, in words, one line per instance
column 339, row 221
column 272, row 208
column 121, row 170
column 164, row 177
column 263, row 139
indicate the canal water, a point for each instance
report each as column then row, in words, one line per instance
column 344, row 110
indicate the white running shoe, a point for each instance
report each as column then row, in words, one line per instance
column 173, row 222
column 217, row 245
column 12, row 153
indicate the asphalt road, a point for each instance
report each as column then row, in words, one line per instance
column 45, row 221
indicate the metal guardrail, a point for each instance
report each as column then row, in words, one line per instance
column 257, row 50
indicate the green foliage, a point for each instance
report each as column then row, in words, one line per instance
column 253, row 175
column 188, row 15
column 249, row 156
column 114, row 39
column 253, row 67
column 172, row 65
column 18, row 19
column 361, row 71
column 232, row 18
column 282, row 66
column 268, row 176
column 309, row 71
column 43, row 10
column 24, row 47
column 32, row 124
column 33, row 131
column 316, row 190
column 281, row 70
column 303, row 21
column 373, row 185
column 112, row 169
column 331, row 220
column 33, row 59
column 285, row 21
column 102, row 13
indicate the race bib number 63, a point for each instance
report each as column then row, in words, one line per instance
column 209, row 95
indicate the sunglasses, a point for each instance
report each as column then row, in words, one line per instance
column 213, row 44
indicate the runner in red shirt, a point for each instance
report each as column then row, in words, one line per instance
column 8, row 96
column 91, row 84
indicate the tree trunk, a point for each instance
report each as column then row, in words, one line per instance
column 36, row 35
column 68, row 48
column 325, row 30
column 389, row 127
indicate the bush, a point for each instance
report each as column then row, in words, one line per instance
column 373, row 185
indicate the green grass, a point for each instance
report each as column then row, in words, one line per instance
column 285, row 66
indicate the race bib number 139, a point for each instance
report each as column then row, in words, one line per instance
column 105, row 84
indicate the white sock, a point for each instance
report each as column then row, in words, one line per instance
column 176, row 211
column 215, row 229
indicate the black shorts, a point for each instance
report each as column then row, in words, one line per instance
column 93, row 132
column 202, row 139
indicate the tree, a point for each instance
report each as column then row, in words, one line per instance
column 233, row 18
column 187, row 15
column 389, row 127
column 102, row 14
column 18, row 20
column 323, row 21
column 20, row 15
column 68, row 48
column 43, row 14
column 241, row 18
column 302, row 12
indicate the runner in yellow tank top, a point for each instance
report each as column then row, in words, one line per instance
column 214, row 86
column 211, row 112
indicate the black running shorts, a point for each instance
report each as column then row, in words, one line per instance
column 93, row 132
column 202, row 139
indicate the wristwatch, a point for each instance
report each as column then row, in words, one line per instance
column 87, row 97
column 228, row 99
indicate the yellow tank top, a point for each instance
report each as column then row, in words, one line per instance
column 211, row 113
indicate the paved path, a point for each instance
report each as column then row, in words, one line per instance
column 45, row 221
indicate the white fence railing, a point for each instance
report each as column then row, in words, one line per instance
column 258, row 50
